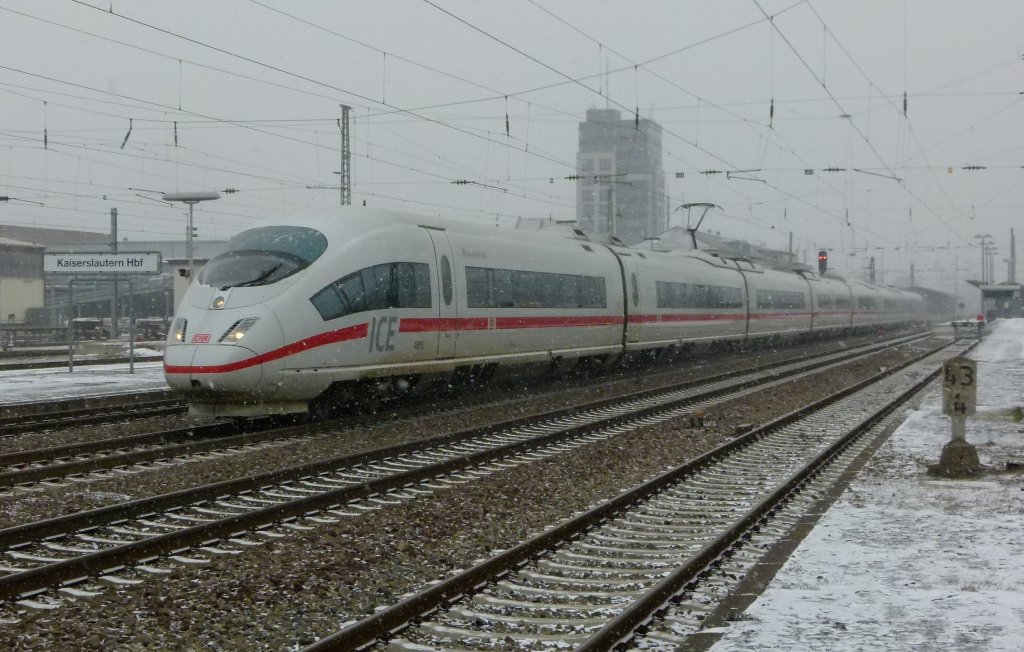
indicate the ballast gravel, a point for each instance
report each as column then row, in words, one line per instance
column 47, row 500
column 288, row 591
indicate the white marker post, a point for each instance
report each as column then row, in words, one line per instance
column 959, row 400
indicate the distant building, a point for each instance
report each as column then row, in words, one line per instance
column 21, row 279
column 44, row 236
column 43, row 300
column 621, row 190
column 1001, row 299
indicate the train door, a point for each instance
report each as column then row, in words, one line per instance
column 630, row 285
column 447, row 297
column 748, row 297
column 816, row 315
column 634, row 305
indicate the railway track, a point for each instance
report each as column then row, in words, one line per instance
column 36, row 418
column 648, row 563
column 118, row 544
column 52, row 464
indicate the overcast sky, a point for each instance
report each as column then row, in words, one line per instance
column 137, row 98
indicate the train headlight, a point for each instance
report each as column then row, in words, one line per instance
column 218, row 302
column 178, row 329
column 238, row 330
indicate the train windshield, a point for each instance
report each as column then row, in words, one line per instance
column 263, row 256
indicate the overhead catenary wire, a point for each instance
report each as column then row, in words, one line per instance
column 294, row 74
column 707, row 118
column 226, row 121
column 94, row 7
column 576, row 81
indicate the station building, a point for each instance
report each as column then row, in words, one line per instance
column 21, row 279
column 1001, row 299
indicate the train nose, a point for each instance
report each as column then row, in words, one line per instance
column 212, row 368
column 223, row 353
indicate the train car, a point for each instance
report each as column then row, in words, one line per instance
column 375, row 302
column 832, row 304
column 780, row 305
column 351, row 305
column 679, row 300
column 868, row 305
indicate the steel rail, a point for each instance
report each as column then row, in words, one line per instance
column 20, row 534
column 182, row 441
column 387, row 621
column 21, row 423
column 623, row 627
column 110, row 560
column 30, row 408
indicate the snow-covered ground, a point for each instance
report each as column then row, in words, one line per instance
column 31, row 385
column 907, row 562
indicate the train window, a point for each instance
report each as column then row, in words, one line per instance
column 636, row 289
column 509, row 288
column 352, row 292
column 825, row 301
column 263, row 256
column 867, row 303
column 503, row 289
column 592, row 292
column 695, row 296
column 413, row 281
column 390, row 285
column 446, row 280
column 560, row 291
column 477, row 287
column 843, row 303
column 328, row 303
column 780, row 300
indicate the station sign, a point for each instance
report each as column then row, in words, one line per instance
column 959, row 386
column 104, row 263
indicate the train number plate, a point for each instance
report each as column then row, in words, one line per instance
column 200, row 338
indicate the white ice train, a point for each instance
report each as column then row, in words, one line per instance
column 353, row 303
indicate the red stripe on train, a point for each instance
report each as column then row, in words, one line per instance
column 654, row 319
column 435, row 324
column 421, row 325
column 406, row 325
column 332, row 337
column 501, row 323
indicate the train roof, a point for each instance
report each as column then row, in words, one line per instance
column 342, row 220
column 339, row 220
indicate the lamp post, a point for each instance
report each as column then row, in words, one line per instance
column 190, row 198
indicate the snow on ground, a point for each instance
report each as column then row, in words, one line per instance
column 907, row 562
column 33, row 385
